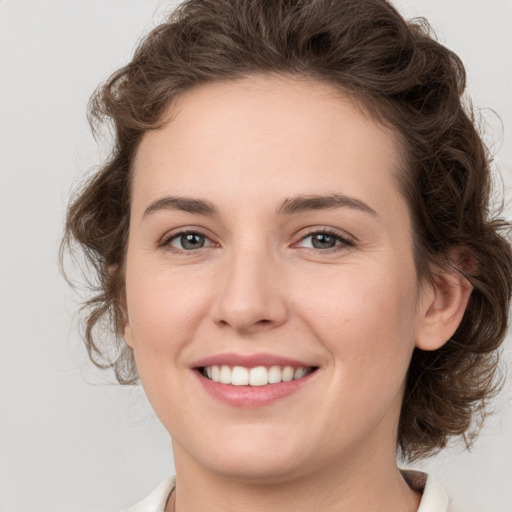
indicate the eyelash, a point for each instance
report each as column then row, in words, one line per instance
column 342, row 242
column 166, row 242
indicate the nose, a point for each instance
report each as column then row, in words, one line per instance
column 250, row 297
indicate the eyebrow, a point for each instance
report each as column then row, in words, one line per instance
column 185, row 204
column 290, row 206
column 300, row 204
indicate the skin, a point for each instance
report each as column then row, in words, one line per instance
column 258, row 285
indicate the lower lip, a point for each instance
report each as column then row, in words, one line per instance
column 252, row 396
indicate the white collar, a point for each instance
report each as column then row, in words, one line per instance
column 434, row 497
column 157, row 500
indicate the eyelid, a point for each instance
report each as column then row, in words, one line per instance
column 343, row 237
column 176, row 233
column 345, row 240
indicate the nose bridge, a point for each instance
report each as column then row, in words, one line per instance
column 249, row 296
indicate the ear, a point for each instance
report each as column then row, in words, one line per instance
column 443, row 303
column 122, row 322
column 127, row 329
column 128, row 335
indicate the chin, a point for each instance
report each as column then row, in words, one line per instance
column 262, row 471
column 269, row 461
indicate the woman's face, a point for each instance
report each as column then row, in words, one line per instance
column 269, row 240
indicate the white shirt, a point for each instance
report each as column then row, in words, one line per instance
column 434, row 498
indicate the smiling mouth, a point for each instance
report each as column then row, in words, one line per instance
column 255, row 376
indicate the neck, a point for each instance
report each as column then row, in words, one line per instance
column 372, row 485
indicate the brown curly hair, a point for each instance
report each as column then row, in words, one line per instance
column 405, row 79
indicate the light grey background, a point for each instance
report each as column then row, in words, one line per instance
column 70, row 440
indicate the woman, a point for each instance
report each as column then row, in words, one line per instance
column 294, row 246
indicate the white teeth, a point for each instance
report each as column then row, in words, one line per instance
column 299, row 373
column 257, row 376
column 225, row 375
column 274, row 375
column 288, row 373
column 240, row 376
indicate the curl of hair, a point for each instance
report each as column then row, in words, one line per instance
column 401, row 76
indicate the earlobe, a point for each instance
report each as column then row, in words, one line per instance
column 444, row 302
column 122, row 313
column 128, row 335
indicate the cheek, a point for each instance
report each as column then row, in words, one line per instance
column 163, row 306
column 164, row 311
column 367, row 322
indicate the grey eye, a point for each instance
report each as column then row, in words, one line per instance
column 189, row 241
column 323, row 241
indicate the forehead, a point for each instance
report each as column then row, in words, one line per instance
column 266, row 136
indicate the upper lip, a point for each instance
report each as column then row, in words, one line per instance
column 250, row 361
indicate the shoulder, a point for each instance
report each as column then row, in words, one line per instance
column 157, row 500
